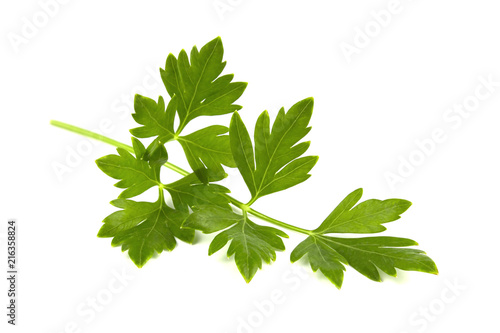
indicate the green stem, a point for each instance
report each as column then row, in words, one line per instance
column 239, row 204
column 109, row 141
column 160, row 196
column 180, row 128
column 252, row 201
column 246, row 208
column 278, row 223
column 90, row 134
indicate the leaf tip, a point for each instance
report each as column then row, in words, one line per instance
column 433, row 270
column 337, row 285
column 138, row 97
column 247, row 278
column 124, row 194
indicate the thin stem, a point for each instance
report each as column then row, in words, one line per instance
column 278, row 223
column 244, row 207
column 252, row 201
column 181, row 127
column 109, row 141
column 160, row 195
column 92, row 135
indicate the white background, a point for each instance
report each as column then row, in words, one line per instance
column 90, row 57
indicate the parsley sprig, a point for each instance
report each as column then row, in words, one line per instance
column 273, row 162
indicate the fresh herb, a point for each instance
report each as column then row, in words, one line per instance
column 273, row 162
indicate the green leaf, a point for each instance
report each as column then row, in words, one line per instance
column 328, row 254
column 207, row 149
column 156, row 154
column 210, row 219
column 145, row 228
column 136, row 175
column 251, row 244
column 321, row 256
column 196, row 90
column 188, row 192
column 366, row 217
column 197, row 84
column 155, row 119
column 276, row 165
column 242, row 149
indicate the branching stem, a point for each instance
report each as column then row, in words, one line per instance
column 244, row 207
column 109, row 141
